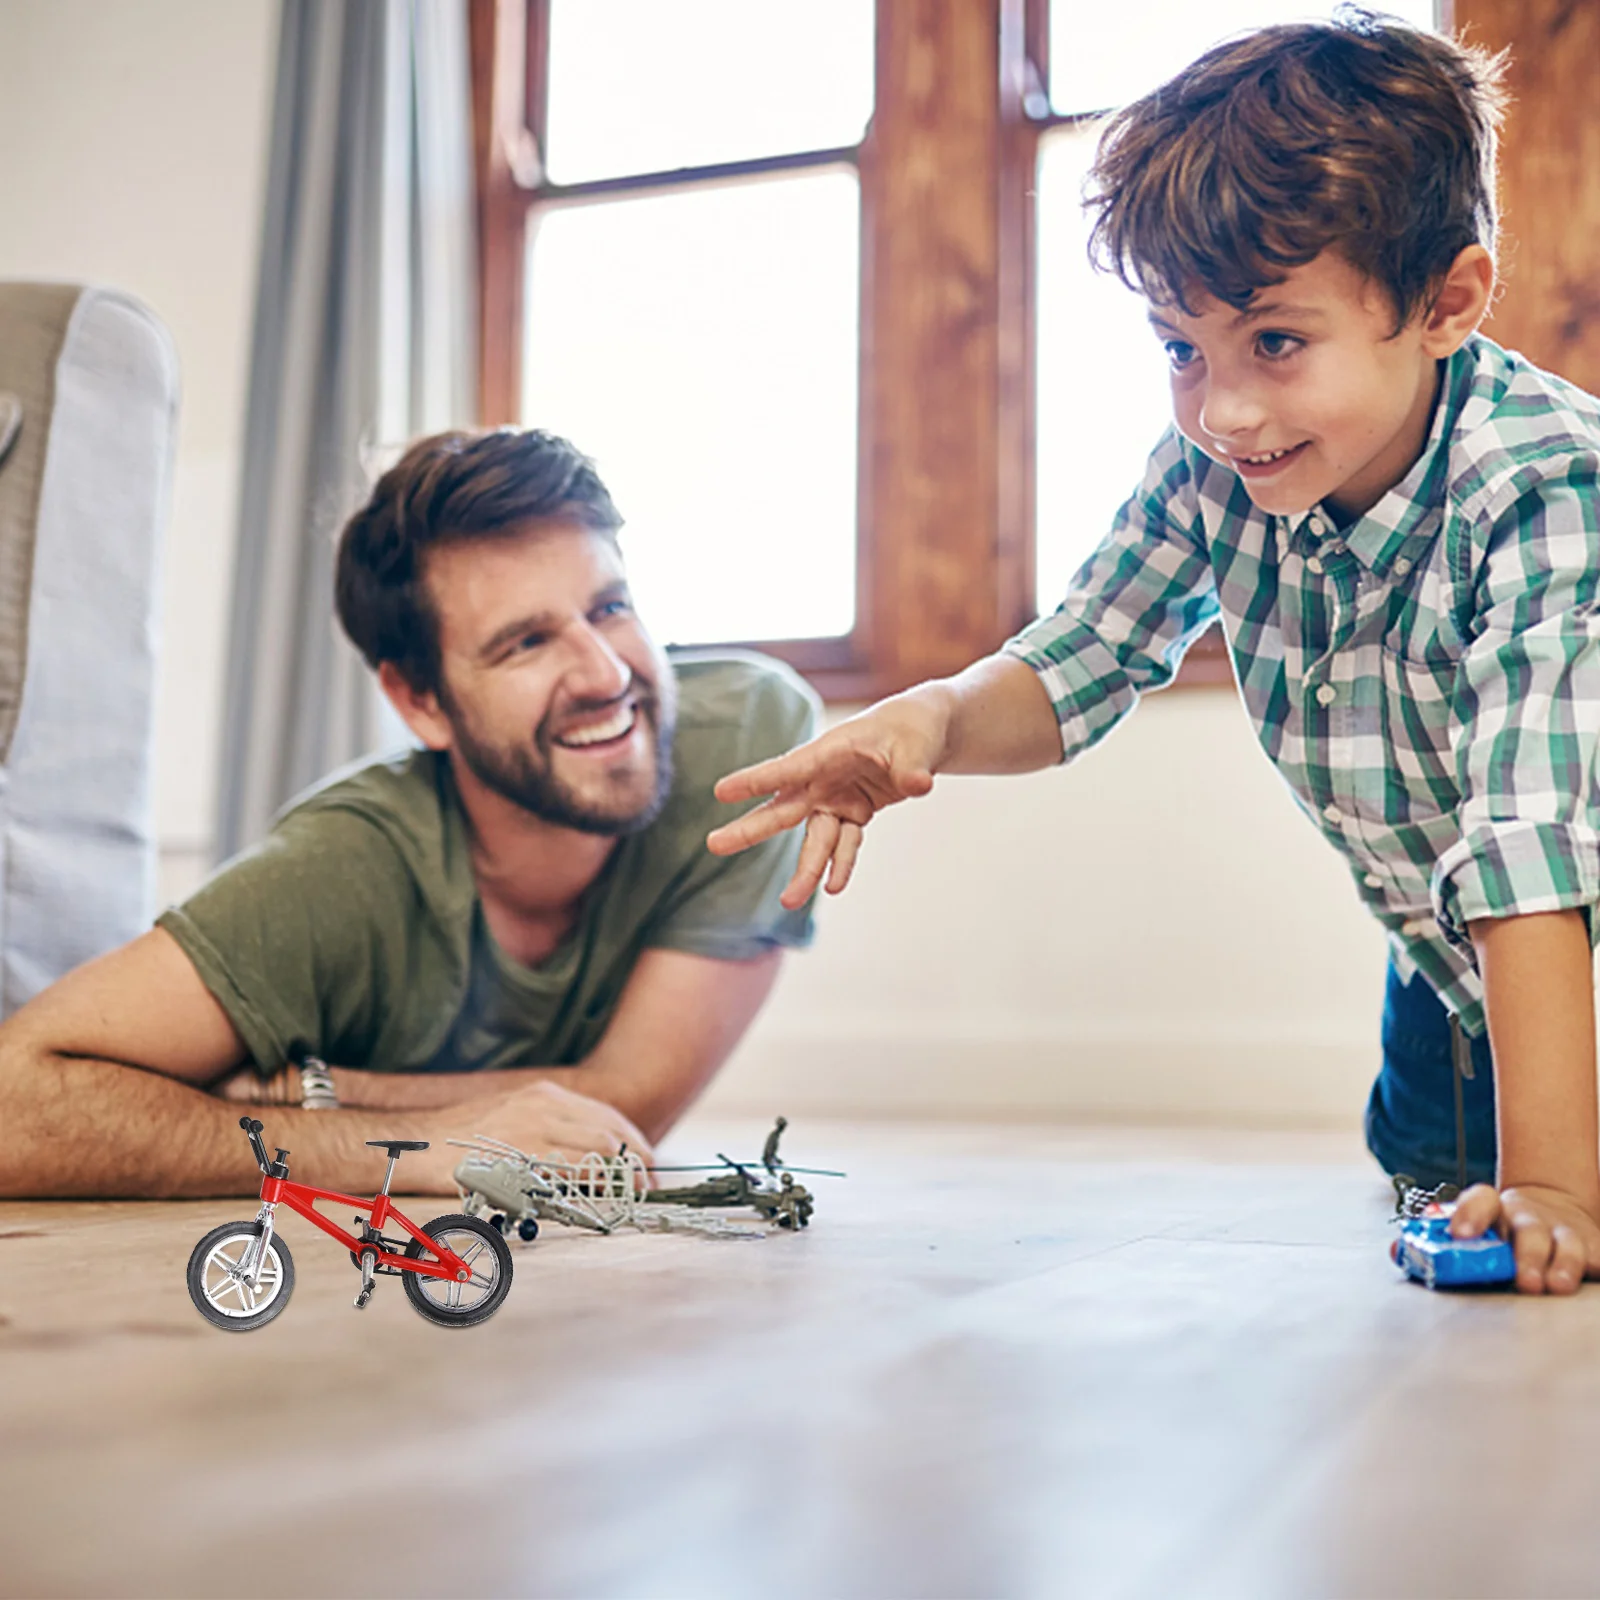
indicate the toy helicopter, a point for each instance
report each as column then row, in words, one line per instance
column 519, row 1191
column 604, row 1193
column 775, row 1196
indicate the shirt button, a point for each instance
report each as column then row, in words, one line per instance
column 1314, row 564
column 1417, row 925
column 1401, row 567
column 1373, row 881
column 1333, row 814
column 1317, row 526
column 1327, row 694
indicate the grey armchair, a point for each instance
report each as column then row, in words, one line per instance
column 88, row 406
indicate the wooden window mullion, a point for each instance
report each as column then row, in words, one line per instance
column 931, row 395
column 498, row 44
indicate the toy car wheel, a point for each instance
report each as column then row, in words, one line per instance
column 501, row 1224
column 221, row 1292
column 528, row 1229
column 488, row 1259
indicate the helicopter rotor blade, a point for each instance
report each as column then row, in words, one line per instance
column 717, row 1166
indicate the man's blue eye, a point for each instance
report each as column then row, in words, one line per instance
column 1179, row 353
column 612, row 608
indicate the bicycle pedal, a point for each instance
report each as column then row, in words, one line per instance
column 369, row 1260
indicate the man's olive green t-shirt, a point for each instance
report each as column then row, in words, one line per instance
column 354, row 929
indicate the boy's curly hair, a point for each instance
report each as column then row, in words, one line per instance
column 447, row 488
column 1362, row 134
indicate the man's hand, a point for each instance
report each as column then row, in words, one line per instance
column 836, row 784
column 542, row 1119
column 1555, row 1237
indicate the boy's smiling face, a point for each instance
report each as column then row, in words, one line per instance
column 1310, row 394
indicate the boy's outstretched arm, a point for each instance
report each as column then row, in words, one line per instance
column 994, row 717
column 1539, row 995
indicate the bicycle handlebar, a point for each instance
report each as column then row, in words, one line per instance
column 253, row 1128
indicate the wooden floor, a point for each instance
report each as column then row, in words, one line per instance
column 1002, row 1362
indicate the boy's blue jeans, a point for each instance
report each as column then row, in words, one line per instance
column 1411, row 1116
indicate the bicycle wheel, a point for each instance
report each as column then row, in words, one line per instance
column 488, row 1258
column 219, row 1289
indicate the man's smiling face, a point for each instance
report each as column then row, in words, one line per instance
column 1309, row 394
column 556, row 698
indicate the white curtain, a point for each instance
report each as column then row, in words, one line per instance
column 364, row 337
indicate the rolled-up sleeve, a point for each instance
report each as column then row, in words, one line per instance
column 1131, row 611
column 1528, row 704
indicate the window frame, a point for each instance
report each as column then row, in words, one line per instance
column 946, row 436
column 1206, row 663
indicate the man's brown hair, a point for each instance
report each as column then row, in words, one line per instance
column 1362, row 134
column 444, row 489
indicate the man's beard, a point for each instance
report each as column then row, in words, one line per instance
column 525, row 775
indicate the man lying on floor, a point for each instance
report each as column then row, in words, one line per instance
column 514, row 931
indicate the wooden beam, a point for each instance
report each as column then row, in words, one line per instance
column 500, row 139
column 1549, row 307
column 932, row 379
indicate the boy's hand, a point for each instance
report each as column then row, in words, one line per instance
column 836, row 784
column 1556, row 1238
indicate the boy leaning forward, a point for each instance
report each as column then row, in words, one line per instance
column 1398, row 524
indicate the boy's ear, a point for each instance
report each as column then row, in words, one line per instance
column 419, row 711
column 1461, row 303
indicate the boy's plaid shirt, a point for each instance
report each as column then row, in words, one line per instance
column 1427, row 679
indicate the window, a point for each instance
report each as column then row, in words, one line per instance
column 809, row 281
column 699, row 336
column 852, row 393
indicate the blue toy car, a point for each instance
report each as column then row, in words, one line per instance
column 1425, row 1251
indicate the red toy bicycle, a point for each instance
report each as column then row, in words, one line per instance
column 456, row 1269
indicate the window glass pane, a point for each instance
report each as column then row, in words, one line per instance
column 648, row 86
column 1103, row 61
column 702, row 346
column 1102, row 375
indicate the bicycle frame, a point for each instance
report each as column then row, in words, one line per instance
column 302, row 1199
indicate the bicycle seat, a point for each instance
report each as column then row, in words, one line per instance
column 395, row 1146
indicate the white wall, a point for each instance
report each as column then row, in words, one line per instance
column 133, row 153
column 1154, row 932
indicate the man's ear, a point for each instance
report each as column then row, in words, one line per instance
column 1461, row 303
column 419, row 711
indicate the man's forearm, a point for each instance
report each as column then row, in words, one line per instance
column 1539, row 995
column 73, row 1128
column 428, row 1091
column 640, row 1096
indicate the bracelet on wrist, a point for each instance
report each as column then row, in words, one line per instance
column 317, row 1092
